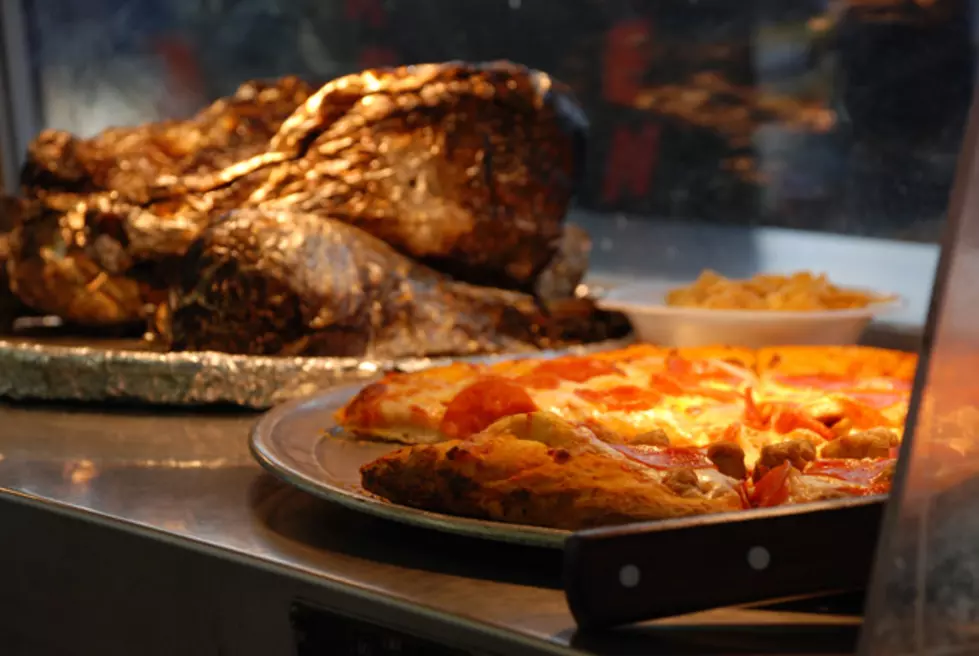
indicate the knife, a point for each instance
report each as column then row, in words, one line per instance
column 625, row 574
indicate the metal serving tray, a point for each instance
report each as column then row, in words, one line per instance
column 300, row 443
column 76, row 369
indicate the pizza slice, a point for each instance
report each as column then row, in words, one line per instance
column 541, row 470
column 408, row 407
column 637, row 434
column 631, row 391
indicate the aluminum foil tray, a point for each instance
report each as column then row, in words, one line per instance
column 130, row 370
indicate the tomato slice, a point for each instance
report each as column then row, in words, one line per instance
column 482, row 403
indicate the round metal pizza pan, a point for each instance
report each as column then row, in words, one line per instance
column 300, row 443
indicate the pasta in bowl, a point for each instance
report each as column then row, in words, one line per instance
column 765, row 310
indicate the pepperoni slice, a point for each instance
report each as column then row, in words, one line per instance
column 773, row 488
column 789, row 419
column 482, row 403
column 694, row 371
column 679, row 366
column 627, row 398
column 781, row 417
column 666, row 384
column 539, row 380
column 877, row 400
column 732, row 433
column 861, row 415
column 576, row 370
column 670, row 457
column 857, row 472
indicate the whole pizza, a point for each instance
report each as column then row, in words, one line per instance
column 637, row 434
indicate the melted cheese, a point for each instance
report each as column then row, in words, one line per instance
column 412, row 406
column 806, row 488
column 714, row 484
column 685, row 418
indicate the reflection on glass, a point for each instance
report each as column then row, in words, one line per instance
column 926, row 587
column 829, row 115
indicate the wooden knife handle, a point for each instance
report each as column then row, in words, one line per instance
column 645, row 571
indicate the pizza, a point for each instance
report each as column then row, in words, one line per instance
column 633, row 391
column 638, row 433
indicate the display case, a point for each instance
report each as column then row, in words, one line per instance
column 743, row 138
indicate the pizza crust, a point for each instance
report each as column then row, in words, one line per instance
column 538, row 470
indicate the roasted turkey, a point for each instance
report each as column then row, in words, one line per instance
column 275, row 283
column 455, row 176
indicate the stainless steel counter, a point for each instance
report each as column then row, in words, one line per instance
column 190, row 548
column 229, row 548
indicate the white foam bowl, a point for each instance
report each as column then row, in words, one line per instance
column 656, row 322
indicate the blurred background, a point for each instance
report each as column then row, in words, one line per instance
column 840, row 116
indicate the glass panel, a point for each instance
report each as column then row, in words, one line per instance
column 927, row 587
column 830, row 116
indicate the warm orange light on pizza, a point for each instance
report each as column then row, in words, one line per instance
column 716, row 428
